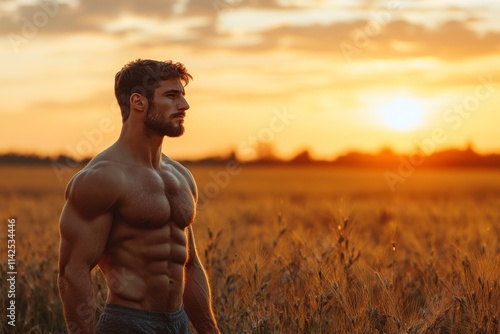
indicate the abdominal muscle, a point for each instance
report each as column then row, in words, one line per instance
column 144, row 267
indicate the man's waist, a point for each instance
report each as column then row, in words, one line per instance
column 122, row 310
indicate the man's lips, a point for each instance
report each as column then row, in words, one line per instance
column 179, row 115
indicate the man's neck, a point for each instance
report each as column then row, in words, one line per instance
column 143, row 147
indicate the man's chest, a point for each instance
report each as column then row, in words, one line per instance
column 153, row 199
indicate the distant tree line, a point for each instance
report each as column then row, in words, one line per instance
column 386, row 158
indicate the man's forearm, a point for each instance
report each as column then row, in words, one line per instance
column 197, row 301
column 79, row 304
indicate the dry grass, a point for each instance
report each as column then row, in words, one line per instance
column 305, row 251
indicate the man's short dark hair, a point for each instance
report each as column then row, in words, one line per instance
column 143, row 76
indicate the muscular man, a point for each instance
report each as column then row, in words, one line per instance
column 129, row 211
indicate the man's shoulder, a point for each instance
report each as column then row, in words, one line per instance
column 96, row 189
column 103, row 166
column 101, row 176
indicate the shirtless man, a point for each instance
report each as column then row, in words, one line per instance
column 129, row 211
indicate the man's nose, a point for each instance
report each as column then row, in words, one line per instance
column 184, row 105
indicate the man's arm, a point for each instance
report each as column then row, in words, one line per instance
column 197, row 296
column 85, row 224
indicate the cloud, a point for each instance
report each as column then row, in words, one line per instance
column 85, row 16
column 197, row 24
column 399, row 39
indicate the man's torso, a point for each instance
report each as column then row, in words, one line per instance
column 146, row 250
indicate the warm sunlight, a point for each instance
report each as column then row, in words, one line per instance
column 402, row 114
column 263, row 73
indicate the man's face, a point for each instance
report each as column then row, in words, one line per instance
column 166, row 114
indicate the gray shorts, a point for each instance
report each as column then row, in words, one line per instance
column 121, row 319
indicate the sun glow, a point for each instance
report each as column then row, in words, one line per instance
column 402, row 114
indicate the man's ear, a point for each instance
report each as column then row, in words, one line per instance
column 138, row 102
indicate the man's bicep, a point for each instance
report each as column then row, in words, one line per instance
column 83, row 239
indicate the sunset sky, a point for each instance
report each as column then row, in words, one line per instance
column 328, row 75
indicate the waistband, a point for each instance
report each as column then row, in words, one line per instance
column 114, row 309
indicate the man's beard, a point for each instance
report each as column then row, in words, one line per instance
column 155, row 123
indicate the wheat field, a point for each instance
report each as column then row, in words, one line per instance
column 300, row 250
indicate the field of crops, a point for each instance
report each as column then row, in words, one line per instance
column 299, row 250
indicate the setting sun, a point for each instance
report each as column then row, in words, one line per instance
column 402, row 114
